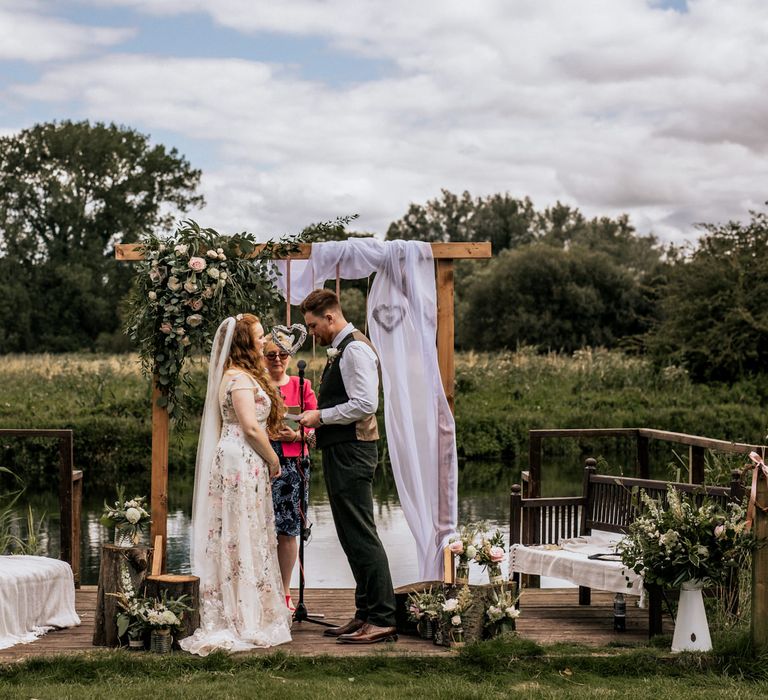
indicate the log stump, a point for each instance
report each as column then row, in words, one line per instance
column 121, row 569
column 175, row 586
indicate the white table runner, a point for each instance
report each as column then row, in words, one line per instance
column 36, row 594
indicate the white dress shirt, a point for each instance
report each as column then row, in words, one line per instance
column 359, row 368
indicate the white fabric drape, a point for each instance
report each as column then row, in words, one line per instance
column 36, row 595
column 402, row 323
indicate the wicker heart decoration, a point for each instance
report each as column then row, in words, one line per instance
column 296, row 335
column 389, row 317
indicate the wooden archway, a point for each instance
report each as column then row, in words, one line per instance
column 444, row 255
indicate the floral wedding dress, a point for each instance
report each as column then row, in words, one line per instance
column 242, row 605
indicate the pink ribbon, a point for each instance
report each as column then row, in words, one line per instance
column 759, row 467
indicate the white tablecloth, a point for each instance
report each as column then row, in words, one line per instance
column 570, row 561
column 36, row 594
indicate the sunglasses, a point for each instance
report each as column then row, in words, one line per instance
column 274, row 355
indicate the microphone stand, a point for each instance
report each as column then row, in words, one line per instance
column 301, row 614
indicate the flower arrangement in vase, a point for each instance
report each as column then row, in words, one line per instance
column 682, row 544
column 128, row 517
column 451, row 622
column 490, row 554
column 464, row 548
column 501, row 613
column 424, row 608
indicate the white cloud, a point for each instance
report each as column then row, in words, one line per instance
column 611, row 106
column 28, row 34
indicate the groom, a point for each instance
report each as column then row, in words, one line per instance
column 346, row 432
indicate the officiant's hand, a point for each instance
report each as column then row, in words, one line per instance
column 286, row 434
column 310, row 419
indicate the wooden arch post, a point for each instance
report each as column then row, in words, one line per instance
column 444, row 254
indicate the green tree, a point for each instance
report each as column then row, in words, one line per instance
column 715, row 304
column 551, row 298
column 69, row 192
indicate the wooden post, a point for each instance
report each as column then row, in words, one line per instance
column 695, row 464
column 445, row 327
column 159, row 495
column 77, row 513
column 760, row 569
column 65, row 497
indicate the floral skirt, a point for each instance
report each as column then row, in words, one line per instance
column 285, row 494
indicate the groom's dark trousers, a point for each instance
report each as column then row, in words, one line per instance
column 348, row 468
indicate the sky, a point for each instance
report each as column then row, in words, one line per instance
column 298, row 111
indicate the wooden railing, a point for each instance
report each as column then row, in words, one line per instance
column 697, row 447
column 70, row 493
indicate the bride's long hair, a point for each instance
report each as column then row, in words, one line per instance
column 246, row 355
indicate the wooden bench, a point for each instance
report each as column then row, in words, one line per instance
column 606, row 504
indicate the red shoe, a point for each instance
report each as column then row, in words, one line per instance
column 289, row 603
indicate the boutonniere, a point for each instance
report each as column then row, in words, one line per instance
column 333, row 353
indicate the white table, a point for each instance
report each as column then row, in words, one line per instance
column 570, row 561
column 36, row 595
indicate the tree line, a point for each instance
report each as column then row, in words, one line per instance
column 558, row 281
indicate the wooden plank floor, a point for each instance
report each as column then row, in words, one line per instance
column 547, row 615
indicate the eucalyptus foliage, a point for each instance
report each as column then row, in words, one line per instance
column 185, row 286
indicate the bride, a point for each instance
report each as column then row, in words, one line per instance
column 233, row 542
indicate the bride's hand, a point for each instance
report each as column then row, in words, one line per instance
column 274, row 466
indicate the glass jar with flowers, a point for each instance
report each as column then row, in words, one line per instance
column 164, row 616
column 463, row 547
column 677, row 543
column 128, row 517
column 490, row 554
column 451, row 621
column 424, row 608
column 501, row 613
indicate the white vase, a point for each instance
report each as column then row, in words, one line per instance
column 691, row 628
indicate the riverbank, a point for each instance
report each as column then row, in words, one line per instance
column 499, row 397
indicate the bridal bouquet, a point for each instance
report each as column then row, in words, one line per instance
column 128, row 517
column 678, row 541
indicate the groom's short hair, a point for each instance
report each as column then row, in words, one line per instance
column 320, row 302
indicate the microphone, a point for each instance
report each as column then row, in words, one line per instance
column 302, row 365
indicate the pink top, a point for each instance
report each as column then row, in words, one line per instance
column 290, row 392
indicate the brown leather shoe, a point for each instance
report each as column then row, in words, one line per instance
column 352, row 626
column 369, row 634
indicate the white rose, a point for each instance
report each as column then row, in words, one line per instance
column 220, row 251
column 169, row 618
column 223, row 276
column 450, row 605
column 471, row 551
column 512, row 612
column 456, row 620
column 212, row 254
column 213, row 273
column 181, row 249
column 174, row 284
column 132, row 515
column 222, row 256
column 152, row 296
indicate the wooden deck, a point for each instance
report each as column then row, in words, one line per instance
column 548, row 615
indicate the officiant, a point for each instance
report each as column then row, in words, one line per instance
column 346, row 432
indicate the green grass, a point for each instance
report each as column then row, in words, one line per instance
column 497, row 669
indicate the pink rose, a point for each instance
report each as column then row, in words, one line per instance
column 194, row 320
column 719, row 530
column 496, row 554
column 195, row 304
column 197, row 264
column 456, row 547
column 190, row 286
column 166, row 327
